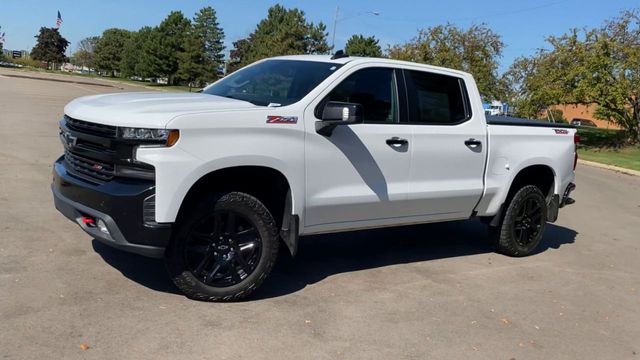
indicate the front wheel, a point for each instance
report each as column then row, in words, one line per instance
column 224, row 249
column 521, row 229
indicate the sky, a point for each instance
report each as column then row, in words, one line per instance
column 522, row 24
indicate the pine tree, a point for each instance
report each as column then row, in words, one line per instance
column 283, row 32
column 211, row 36
column 359, row 45
column 50, row 46
column 110, row 49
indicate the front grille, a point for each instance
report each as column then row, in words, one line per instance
column 88, row 168
column 94, row 153
column 91, row 128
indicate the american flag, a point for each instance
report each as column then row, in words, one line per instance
column 59, row 20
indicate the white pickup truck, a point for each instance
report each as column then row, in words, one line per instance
column 298, row 145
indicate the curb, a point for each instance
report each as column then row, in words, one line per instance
column 609, row 167
column 76, row 79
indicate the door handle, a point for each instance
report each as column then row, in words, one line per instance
column 397, row 142
column 472, row 143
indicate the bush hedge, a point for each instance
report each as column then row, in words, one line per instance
column 601, row 138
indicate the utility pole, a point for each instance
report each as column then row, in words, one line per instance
column 335, row 23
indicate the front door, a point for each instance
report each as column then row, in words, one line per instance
column 359, row 174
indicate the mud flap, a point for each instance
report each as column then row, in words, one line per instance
column 290, row 225
column 495, row 221
column 553, row 208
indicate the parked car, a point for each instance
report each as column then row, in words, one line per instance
column 290, row 146
column 583, row 122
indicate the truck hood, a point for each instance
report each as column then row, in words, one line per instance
column 146, row 109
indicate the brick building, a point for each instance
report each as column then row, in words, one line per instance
column 582, row 111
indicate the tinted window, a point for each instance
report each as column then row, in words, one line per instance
column 374, row 89
column 435, row 98
column 275, row 82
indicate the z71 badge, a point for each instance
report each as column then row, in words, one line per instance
column 273, row 119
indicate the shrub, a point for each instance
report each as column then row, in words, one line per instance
column 602, row 138
column 28, row 62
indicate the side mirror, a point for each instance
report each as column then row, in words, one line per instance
column 338, row 113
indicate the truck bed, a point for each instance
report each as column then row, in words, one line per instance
column 513, row 121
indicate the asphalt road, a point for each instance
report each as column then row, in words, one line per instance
column 429, row 291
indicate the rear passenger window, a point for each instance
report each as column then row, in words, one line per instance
column 435, row 98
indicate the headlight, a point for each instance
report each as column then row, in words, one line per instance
column 154, row 136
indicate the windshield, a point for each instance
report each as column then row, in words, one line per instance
column 273, row 82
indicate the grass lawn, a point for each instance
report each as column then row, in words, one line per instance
column 114, row 79
column 627, row 158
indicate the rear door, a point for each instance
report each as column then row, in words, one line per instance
column 448, row 150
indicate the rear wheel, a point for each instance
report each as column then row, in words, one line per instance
column 224, row 249
column 522, row 227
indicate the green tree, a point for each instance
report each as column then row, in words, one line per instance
column 211, row 35
column 84, row 56
column 594, row 66
column 521, row 91
column 50, row 46
column 192, row 62
column 475, row 50
column 110, row 49
column 282, row 32
column 132, row 53
column 166, row 44
column 359, row 45
column 151, row 60
column 239, row 54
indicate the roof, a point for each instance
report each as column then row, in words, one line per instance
column 359, row 59
column 320, row 58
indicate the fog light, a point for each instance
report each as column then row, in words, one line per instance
column 102, row 227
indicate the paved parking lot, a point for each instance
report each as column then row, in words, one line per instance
column 429, row 291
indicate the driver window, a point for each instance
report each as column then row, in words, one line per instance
column 374, row 89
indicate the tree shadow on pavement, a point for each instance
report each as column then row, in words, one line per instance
column 321, row 256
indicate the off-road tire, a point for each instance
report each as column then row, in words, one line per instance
column 238, row 202
column 505, row 236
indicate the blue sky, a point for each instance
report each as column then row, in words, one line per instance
column 523, row 25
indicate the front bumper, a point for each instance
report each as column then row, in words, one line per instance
column 118, row 203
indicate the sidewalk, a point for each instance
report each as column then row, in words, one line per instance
column 609, row 167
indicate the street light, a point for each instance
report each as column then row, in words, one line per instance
column 335, row 22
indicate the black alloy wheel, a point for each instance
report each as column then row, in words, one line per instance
column 528, row 221
column 523, row 224
column 223, row 249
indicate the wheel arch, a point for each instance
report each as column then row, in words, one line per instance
column 268, row 184
column 540, row 175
